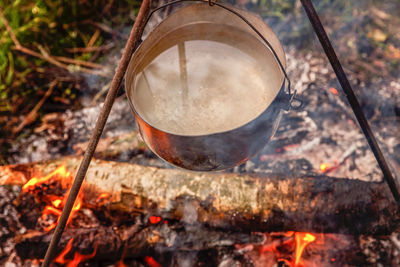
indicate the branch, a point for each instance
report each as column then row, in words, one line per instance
column 79, row 62
column 89, row 49
column 32, row 115
column 47, row 57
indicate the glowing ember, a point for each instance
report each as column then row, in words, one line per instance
column 154, row 219
column 302, row 240
column 333, row 91
column 152, row 262
column 121, row 263
column 324, row 167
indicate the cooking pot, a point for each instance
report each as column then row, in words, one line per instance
column 207, row 87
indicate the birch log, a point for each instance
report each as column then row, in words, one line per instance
column 245, row 202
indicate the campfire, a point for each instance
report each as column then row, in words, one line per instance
column 47, row 190
column 115, row 225
column 50, row 192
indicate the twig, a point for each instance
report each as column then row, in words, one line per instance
column 79, row 62
column 93, row 38
column 32, row 115
column 90, row 49
column 46, row 56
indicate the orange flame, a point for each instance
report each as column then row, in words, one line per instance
column 302, row 240
column 50, row 210
column 289, row 233
column 57, row 212
column 78, row 257
column 103, row 199
column 35, row 181
column 61, row 258
column 103, row 196
column 54, row 207
column 57, row 203
column 151, row 262
column 333, row 91
column 75, row 208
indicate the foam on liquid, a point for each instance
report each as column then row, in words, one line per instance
column 203, row 87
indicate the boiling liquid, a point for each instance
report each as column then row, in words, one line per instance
column 202, row 87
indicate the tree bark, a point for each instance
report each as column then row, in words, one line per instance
column 244, row 202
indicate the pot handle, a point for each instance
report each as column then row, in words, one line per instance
column 293, row 101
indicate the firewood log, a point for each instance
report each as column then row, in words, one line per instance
column 244, row 202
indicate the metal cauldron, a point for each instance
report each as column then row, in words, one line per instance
column 220, row 149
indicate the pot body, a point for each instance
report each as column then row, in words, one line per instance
column 221, row 150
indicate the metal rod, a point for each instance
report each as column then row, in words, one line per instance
column 355, row 105
column 133, row 41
